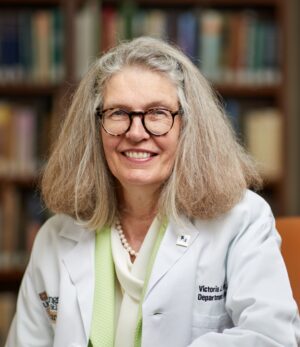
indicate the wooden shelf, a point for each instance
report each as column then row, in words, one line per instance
column 23, row 89
column 249, row 91
column 26, row 181
column 202, row 3
column 10, row 279
column 38, row 3
column 30, row 2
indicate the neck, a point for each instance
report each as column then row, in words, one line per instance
column 137, row 209
column 138, row 204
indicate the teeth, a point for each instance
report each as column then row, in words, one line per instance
column 137, row 155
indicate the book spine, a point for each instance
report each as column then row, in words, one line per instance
column 264, row 140
column 187, row 34
column 211, row 27
column 56, row 46
column 87, row 34
column 25, row 141
column 25, row 45
column 10, row 204
column 41, row 29
column 7, row 309
column 5, row 137
column 109, row 28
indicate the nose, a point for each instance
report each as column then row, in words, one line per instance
column 137, row 132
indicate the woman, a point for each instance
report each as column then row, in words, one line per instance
column 156, row 240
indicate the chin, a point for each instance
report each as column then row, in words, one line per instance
column 140, row 182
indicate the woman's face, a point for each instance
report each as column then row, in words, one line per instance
column 138, row 158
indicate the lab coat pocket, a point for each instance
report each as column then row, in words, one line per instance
column 203, row 324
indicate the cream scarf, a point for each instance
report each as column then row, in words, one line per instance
column 133, row 280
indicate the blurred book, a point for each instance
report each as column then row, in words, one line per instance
column 233, row 111
column 211, row 23
column 156, row 23
column 57, row 70
column 5, row 131
column 26, row 44
column 87, row 35
column 10, row 205
column 108, row 27
column 264, row 140
column 41, row 45
column 187, row 34
column 7, row 309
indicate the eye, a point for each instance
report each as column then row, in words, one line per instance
column 158, row 112
column 116, row 114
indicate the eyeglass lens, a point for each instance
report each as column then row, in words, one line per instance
column 156, row 121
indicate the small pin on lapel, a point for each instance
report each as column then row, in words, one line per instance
column 183, row 240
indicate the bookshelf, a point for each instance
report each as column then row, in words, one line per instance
column 45, row 96
column 37, row 75
column 41, row 97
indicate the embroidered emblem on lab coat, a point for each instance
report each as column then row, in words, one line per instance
column 50, row 303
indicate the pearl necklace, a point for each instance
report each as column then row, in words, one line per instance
column 124, row 241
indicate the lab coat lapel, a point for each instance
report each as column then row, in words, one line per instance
column 79, row 263
column 169, row 252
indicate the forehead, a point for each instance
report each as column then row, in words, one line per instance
column 138, row 87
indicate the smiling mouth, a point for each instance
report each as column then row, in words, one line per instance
column 138, row 155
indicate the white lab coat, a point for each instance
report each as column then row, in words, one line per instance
column 228, row 287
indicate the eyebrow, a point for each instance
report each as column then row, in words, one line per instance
column 157, row 103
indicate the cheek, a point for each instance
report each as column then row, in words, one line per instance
column 171, row 160
column 170, row 154
column 109, row 142
column 109, row 145
column 173, row 153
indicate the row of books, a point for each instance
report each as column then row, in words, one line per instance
column 31, row 46
column 21, row 216
column 24, row 134
column 228, row 46
column 261, row 131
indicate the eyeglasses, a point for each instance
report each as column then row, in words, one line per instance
column 156, row 121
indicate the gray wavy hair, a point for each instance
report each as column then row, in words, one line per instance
column 211, row 170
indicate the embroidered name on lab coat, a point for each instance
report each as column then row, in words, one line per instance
column 50, row 303
column 212, row 293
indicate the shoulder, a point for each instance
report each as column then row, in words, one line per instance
column 60, row 225
column 250, row 208
column 250, row 215
column 253, row 220
column 58, row 232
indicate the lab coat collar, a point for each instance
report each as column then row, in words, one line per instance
column 71, row 229
column 169, row 252
column 79, row 263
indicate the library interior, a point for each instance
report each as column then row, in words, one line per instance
column 249, row 50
